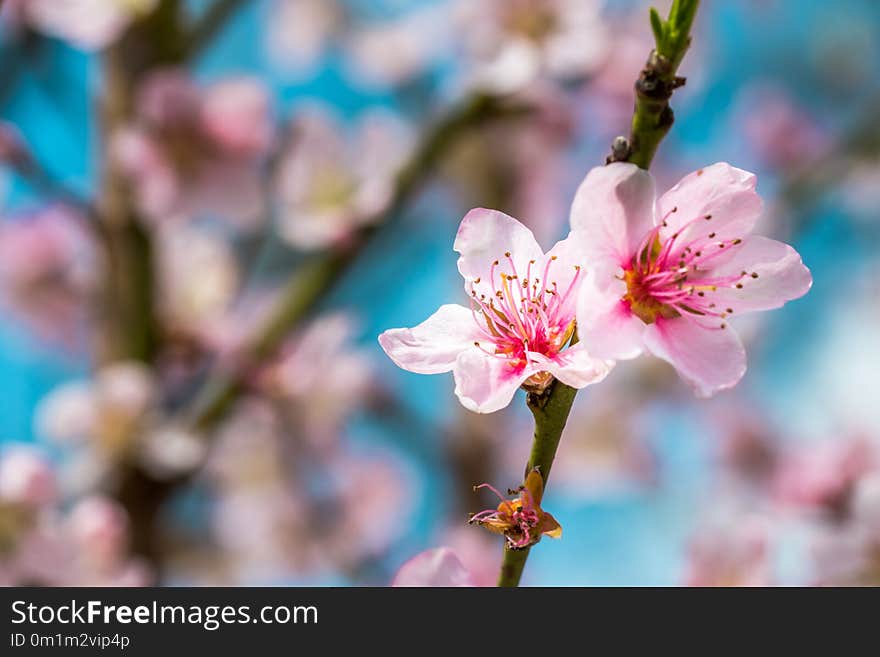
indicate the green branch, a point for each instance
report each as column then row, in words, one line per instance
column 652, row 119
column 652, row 116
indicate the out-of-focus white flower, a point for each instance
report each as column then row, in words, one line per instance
column 300, row 31
column 39, row 545
column 730, row 552
column 397, row 51
column 105, row 411
column 514, row 42
column 86, row 24
column 330, row 183
column 46, row 269
column 198, row 277
column 26, row 478
column 193, row 152
column 323, row 376
column 170, row 450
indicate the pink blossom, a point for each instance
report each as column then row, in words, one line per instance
column 322, row 377
column 780, row 132
column 824, row 476
column 196, row 152
column 86, row 24
column 520, row 320
column 26, row 478
column 397, row 51
column 198, row 278
column 437, row 567
column 300, row 33
column 46, row 270
column 515, row 42
column 329, row 184
column 107, row 411
column 667, row 274
column 731, row 553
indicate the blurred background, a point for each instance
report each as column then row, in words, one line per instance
column 210, row 209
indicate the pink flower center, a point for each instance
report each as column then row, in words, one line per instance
column 674, row 277
column 518, row 518
column 525, row 314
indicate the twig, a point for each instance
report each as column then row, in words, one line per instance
column 652, row 116
column 209, row 25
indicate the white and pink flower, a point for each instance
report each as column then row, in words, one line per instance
column 512, row 43
column 86, row 24
column 436, row 567
column 329, row 183
column 521, row 318
column 667, row 274
column 193, row 151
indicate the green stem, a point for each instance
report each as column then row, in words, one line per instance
column 652, row 118
column 313, row 280
column 550, row 410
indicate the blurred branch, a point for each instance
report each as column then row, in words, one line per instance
column 128, row 325
column 860, row 144
column 320, row 273
column 652, row 118
column 209, row 26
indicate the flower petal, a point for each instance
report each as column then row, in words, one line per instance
column 721, row 192
column 550, row 526
column 484, row 383
column 484, row 236
column 434, row 567
column 605, row 323
column 434, row 345
column 566, row 272
column 534, row 484
column 612, row 211
column 781, row 276
column 709, row 359
column 577, row 368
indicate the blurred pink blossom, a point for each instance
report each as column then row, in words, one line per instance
column 323, row 377
column 105, row 412
column 480, row 552
column 26, row 477
column 193, row 151
column 46, row 269
column 667, row 273
column 198, row 278
column 40, row 545
column 86, row 24
column 437, row 567
column 781, row 133
column 300, row 33
column 512, row 43
column 398, row 50
column 520, row 322
column 329, row 183
column 730, row 553
column 824, row 476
